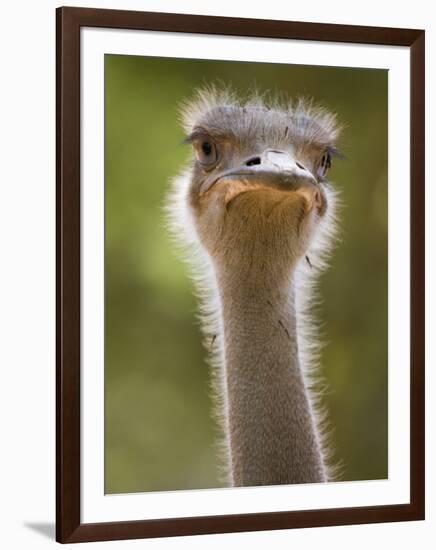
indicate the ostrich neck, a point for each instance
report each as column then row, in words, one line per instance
column 271, row 428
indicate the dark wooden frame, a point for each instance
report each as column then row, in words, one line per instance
column 68, row 24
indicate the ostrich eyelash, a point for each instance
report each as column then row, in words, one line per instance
column 191, row 137
column 195, row 134
column 335, row 152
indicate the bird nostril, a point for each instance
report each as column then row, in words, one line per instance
column 300, row 166
column 253, row 161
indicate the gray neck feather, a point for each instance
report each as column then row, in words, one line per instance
column 272, row 430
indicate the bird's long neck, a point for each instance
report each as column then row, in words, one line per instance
column 272, row 431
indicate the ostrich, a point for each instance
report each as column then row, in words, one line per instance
column 256, row 215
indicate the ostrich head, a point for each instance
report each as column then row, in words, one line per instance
column 257, row 182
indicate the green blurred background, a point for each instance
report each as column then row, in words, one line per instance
column 159, row 434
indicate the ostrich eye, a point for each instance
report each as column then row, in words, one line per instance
column 324, row 165
column 206, row 147
column 206, row 151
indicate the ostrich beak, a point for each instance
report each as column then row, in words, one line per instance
column 275, row 168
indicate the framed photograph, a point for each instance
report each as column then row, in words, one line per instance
column 240, row 274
